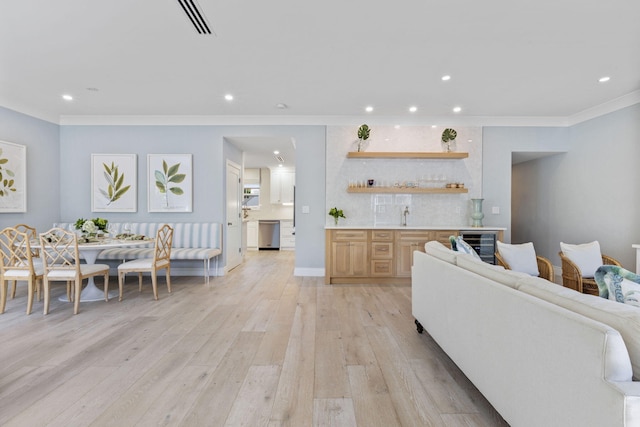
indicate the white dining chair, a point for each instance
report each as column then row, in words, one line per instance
column 161, row 260
column 61, row 260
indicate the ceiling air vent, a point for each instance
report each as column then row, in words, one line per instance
column 196, row 17
column 279, row 158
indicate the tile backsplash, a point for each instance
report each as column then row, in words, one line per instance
column 365, row 209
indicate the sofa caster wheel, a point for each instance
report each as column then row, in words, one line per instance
column 419, row 327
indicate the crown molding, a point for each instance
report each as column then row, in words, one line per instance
column 308, row 121
column 606, row 108
column 278, row 120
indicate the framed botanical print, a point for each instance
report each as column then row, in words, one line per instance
column 13, row 177
column 114, row 183
column 170, row 183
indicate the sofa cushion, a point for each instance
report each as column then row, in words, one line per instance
column 586, row 256
column 493, row 272
column 625, row 318
column 440, row 251
column 521, row 257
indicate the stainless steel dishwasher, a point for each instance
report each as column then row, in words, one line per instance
column 268, row 234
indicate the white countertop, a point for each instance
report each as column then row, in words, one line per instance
column 412, row 227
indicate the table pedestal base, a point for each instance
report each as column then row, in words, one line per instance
column 90, row 293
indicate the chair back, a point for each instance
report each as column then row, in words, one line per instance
column 32, row 234
column 164, row 239
column 60, row 251
column 15, row 252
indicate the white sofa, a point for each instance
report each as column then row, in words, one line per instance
column 525, row 346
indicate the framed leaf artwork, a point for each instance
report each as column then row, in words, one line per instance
column 13, row 177
column 170, row 185
column 113, row 183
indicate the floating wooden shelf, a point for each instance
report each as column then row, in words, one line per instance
column 406, row 155
column 407, row 190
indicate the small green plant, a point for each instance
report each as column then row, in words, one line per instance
column 448, row 137
column 92, row 225
column 363, row 134
column 336, row 213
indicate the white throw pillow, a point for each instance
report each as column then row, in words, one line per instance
column 520, row 257
column 586, row 256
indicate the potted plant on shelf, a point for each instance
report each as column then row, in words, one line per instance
column 336, row 213
column 363, row 135
column 449, row 139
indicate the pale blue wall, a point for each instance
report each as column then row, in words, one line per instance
column 43, row 169
column 590, row 193
column 499, row 144
column 210, row 151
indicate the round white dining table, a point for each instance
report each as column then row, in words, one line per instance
column 90, row 252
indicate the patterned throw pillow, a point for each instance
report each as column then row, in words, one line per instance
column 618, row 284
column 464, row 247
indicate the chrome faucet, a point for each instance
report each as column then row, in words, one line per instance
column 404, row 215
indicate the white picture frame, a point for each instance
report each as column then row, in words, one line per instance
column 114, row 183
column 13, row 177
column 170, row 183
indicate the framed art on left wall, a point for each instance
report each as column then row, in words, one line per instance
column 13, row 177
column 113, row 183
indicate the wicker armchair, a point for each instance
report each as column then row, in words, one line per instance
column 572, row 276
column 545, row 268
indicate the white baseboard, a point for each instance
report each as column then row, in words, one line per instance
column 181, row 271
column 311, row 272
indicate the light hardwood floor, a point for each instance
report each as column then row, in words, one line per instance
column 257, row 347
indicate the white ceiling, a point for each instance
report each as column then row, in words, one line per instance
column 506, row 58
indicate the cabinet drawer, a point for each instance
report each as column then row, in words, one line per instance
column 381, row 250
column 442, row 236
column 381, row 268
column 415, row 235
column 349, row 235
column 382, row 235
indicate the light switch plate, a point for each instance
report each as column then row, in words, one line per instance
column 305, row 209
column 495, row 210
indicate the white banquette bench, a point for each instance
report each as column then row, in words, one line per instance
column 536, row 361
column 201, row 241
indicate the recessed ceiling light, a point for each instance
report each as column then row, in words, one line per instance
column 604, row 79
column 457, row 109
column 413, row 109
column 396, row 127
column 280, row 165
column 282, row 106
column 369, row 109
column 446, row 78
column 228, row 97
column 67, row 97
column 276, row 152
column 434, row 126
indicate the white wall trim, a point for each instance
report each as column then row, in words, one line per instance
column 309, row 272
column 606, row 108
column 448, row 120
